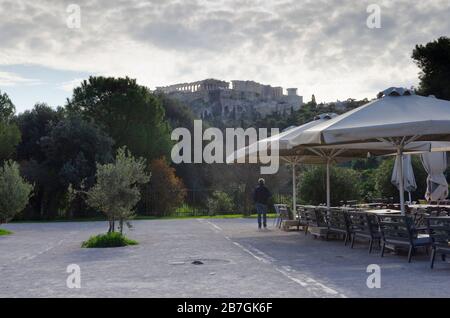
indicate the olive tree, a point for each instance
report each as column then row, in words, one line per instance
column 116, row 191
column 14, row 191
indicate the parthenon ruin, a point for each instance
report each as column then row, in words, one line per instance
column 213, row 97
column 266, row 91
column 205, row 85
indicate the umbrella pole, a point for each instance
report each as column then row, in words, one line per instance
column 401, row 185
column 294, row 191
column 328, row 184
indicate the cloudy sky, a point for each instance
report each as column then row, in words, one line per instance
column 323, row 47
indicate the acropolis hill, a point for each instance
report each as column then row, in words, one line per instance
column 213, row 98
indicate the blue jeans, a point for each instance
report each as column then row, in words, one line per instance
column 262, row 212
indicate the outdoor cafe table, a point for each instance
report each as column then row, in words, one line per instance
column 424, row 206
column 383, row 211
column 441, row 217
column 368, row 205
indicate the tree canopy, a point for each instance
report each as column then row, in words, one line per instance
column 35, row 124
column 126, row 111
column 433, row 59
column 9, row 132
column 167, row 191
column 9, row 139
column 73, row 146
column 7, row 108
column 59, row 149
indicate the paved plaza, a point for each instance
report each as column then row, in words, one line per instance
column 235, row 260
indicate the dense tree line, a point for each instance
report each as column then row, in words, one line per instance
column 59, row 151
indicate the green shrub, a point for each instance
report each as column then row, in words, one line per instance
column 5, row 232
column 386, row 189
column 345, row 185
column 14, row 191
column 112, row 239
column 184, row 208
column 368, row 188
column 220, row 202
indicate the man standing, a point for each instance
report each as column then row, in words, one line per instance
column 261, row 197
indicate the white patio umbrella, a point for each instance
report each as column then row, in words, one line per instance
column 409, row 181
column 315, row 155
column 435, row 165
column 398, row 117
column 280, row 143
column 345, row 152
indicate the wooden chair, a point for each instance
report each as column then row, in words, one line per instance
column 439, row 230
column 363, row 225
column 399, row 230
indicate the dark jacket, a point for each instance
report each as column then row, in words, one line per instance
column 261, row 195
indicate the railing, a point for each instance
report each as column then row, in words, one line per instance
column 197, row 203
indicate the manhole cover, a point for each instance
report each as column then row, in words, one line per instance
column 201, row 261
column 197, row 263
column 210, row 261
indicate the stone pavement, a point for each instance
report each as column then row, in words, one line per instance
column 237, row 261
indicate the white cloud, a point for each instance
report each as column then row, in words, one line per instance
column 322, row 47
column 70, row 85
column 11, row 79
